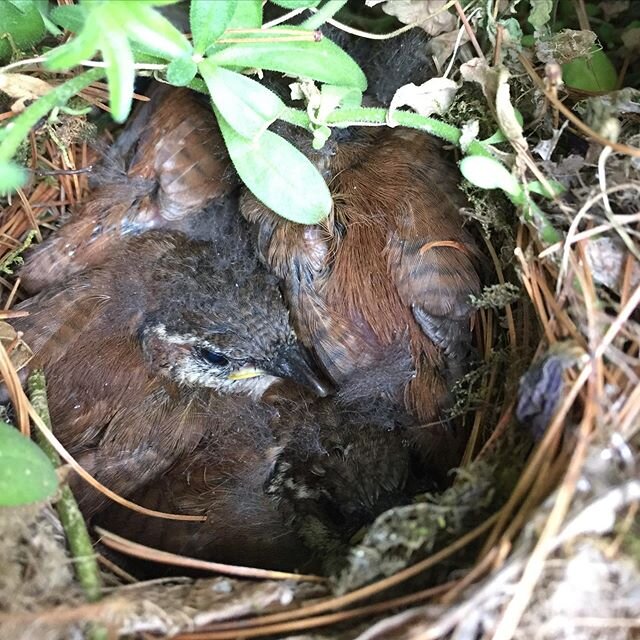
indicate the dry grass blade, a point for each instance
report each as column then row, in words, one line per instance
column 136, row 550
column 567, row 113
column 363, row 593
column 17, row 396
column 320, row 621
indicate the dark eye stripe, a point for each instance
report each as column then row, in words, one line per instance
column 214, row 358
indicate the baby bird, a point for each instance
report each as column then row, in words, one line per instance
column 392, row 266
column 283, row 485
column 166, row 167
column 143, row 353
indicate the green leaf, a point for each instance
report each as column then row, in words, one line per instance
column 120, row 71
column 145, row 25
column 26, row 474
column 296, row 4
column 23, row 23
column 245, row 104
column 278, row 175
column 23, row 6
column 208, row 21
column 488, row 173
column 323, row 60
column 248, row 15
column 71, row 17
column 181, row 71
column 12, row 176
column 82, row 47
column 594, row 73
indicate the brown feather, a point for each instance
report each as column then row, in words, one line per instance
column 362, row 281
column 167, row 167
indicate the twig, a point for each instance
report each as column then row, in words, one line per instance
column 84, row 559
column 469, row 29
column 77, row 536
column 137, row 550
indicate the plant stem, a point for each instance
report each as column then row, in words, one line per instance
column 12, row 135
column 377, row 116
column 85, row 564
column 328, row 10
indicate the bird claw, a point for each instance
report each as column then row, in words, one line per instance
column 452, row 335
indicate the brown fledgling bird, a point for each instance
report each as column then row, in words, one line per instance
column 393, row 264
column 284, row 485
column 166, row 167
column 143, row 353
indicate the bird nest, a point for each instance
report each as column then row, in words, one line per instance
column 538, row 532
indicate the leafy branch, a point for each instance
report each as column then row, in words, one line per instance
column 228, row 41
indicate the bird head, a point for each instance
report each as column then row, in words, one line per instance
column 214, row 323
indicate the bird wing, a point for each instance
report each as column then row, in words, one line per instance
column 167, row 166
column 180, row 148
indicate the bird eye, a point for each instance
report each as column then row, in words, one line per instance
column 214, row 358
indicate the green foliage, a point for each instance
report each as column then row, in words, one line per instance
column 110, row 27
column 488, row 173
column 209, row 20
column 275, row 169
column 227, row 41
column 26, row 474
column 323, row 61
column 21, row 25
column 594, row 73
column 247, row 106
column 12, row 176
column 228, row 44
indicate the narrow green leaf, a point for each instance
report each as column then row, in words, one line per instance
column 278, row 175
column 208, row 21
column 12, row 176
column 181, row 71
column 23, row 24
column 120, row 72
column 26, row 475
column 11, row 137
column 82, row 47
column 245, row 104
column 323, row 60
column 248, row 15
column 145, row 25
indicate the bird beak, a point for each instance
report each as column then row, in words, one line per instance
column 245, row 373
column 293, row 363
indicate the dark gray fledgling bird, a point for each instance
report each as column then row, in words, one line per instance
column 142, row 353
